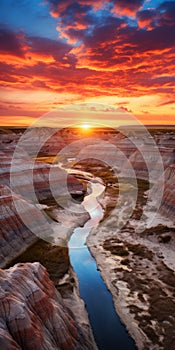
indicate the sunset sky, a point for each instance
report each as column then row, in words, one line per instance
column 55, row 53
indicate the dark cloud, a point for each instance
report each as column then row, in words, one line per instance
column 159, row 38
column 11, row 42
column 128, row 7
column 163, row 15
column 112, row 45
column 24, row 47
column 109, row 54
column 167, row 13
column 55, row 48
column 73, row 12
column 164, row 80
column 69, row 10
column 112, row 39
column 101, row 33
column 80, row 6
column 75, row 18
column 147, row 18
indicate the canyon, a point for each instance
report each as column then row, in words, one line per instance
column 133, row 244
column 33, row 314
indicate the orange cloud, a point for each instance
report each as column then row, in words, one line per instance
column 105, row 60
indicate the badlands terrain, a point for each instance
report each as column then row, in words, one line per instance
column 41, row 171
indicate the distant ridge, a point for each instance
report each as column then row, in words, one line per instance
column 18, row 129
column 149, row 126
column 5, row 130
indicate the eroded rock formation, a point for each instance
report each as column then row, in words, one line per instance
column 28, row 178
column 32, row 313
column 167, row 208
column 15, row 236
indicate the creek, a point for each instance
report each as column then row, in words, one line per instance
column 109, row 332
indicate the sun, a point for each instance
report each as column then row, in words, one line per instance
column 85, row 126
column 85, row 129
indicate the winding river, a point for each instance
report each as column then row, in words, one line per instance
column 109, row 332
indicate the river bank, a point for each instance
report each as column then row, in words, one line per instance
column 137, row 268
column 56, row 260
column 130, row 262
column 136, row 260
column 108, row 331
column 139, row 271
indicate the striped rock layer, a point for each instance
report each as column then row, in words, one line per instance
column 32, row 312
column 167, row 208
column 15, row 236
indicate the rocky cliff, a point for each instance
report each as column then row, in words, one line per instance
column 167, row 207
column 26, row 177
column 32, row 313
column 15, row 236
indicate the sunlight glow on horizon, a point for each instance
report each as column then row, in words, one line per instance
column 60, row 54
column 85, row 126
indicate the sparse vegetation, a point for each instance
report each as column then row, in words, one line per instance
column 54, row 258
column 143, row 186
column 140, row 250
column 166, row 274
column 165, row 238
column 161, row 307
column 158, row 230
column 125, row 261
column 117, row 249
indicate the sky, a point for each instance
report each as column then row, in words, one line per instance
column 57, row 53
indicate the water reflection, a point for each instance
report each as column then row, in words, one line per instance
column 108, row 331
